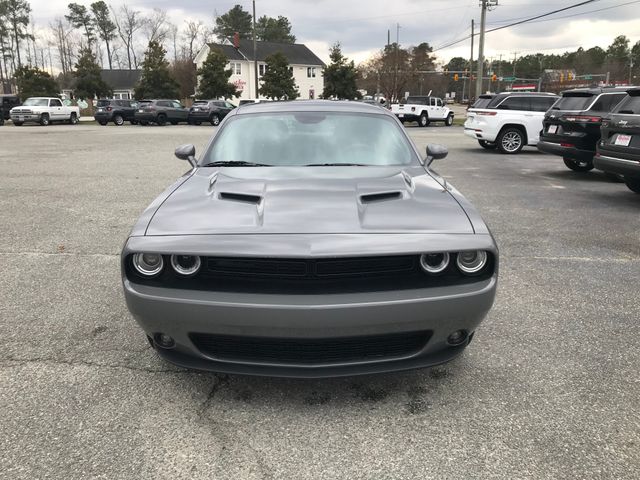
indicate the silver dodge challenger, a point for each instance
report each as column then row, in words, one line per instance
column 310, row 239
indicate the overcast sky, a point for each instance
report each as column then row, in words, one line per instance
column 361, row 25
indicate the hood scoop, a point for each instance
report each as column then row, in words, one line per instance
column 380, row 197
column 240, row 197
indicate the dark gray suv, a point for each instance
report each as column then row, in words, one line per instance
column 212, row 111
column 161, row 112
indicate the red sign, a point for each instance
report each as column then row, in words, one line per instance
column 531, row 86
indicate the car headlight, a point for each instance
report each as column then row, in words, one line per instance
column 434, row 262
column 471, row 262
column 185, row 265
column 148, row 264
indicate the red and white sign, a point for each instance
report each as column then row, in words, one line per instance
column 239, row 84
column 530, row 86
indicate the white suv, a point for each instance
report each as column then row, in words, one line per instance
column 508, row 121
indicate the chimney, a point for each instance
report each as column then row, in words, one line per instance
column 236, row 40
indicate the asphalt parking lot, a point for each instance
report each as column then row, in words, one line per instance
column 549, row 387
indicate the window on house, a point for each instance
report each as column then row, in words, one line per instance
column 262, row 68
column 311, row 72
column 236, row 68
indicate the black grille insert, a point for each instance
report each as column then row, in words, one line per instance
column 310, row 351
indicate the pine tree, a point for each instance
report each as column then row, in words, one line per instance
column 269, row 29
column 156, row 80
column 89, row 82
column 80, row 17
column 213, row 78
column 235, row 20
column 340, row 76
column 104, row 24
column 277, row 81
column 33, row 82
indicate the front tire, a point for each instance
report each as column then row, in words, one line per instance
column 423, row 121
column 510, row 141
column 578, row 165
column 104, row 124
column 44, row 119
column 487, row 145
column 18, row 124
column 73, row 119
column 118, row 120
column 449, row 121
column 214, row 120
column 633, row 184
column 161, row 120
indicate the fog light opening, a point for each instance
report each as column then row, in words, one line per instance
column 457, row 338
column 164, row 341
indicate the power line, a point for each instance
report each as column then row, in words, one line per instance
column 529, row 19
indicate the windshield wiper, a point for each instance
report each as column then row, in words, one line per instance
column 335, row 165
column 235, row 163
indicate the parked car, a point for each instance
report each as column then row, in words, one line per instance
column 116, row 111
column 7, row 102
column 44, row 110
column 571, row 129
column 310, row 239
column 161, row 112
column 618, row 150
column 424, row 110
column 212, row 111
column 508, row 121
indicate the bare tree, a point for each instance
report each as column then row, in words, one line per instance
column 128, row 22
column 193, row 35
column 173, row 32
column 155, row 26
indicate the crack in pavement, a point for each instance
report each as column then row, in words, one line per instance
column 219, row 381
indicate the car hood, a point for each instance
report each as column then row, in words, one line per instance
column 309, row 200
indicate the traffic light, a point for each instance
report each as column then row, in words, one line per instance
column 561, row 77
column 446, row 71
column 569, row 76
column 455, row 77
column 494, row 77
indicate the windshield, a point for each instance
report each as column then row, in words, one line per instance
column 36, row 102
column 104, row 103
column 311, row 138
column 630, row 105
column 573, row 102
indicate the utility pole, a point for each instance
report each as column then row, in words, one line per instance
column 486, row 4
column 395, row 80
column 630, row 68
column 515, row 56
column 470, row 64
column 500, row 74
column 255, row 50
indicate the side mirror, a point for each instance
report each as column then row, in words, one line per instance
column 435, row 152
column 187, row 152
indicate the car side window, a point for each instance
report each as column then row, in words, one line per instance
column 55, row 103
column 176, row 105
column 541, row 104
column 439, row 102
column 228, row 105
column 606, row 102
column 516, row 103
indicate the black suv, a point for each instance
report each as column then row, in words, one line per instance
column 116, row 111
column 212, row 111
column 619, row 148
column 161, row 112
column 571, row 129
column 7, row 102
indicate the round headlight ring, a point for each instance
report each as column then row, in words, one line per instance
column 185, row 265
column 148, row 264
column 434, row 263
column 471, row 262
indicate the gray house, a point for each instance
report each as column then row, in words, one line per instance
column 122, row 82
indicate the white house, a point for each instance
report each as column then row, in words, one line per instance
column 307, row 67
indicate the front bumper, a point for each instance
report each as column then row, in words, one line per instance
column 29, row 117
column 199, row 116
column 563, row 151
column 103, row 117
column 629, row 168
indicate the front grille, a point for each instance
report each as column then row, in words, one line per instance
column 310, row 351
column 309, row 269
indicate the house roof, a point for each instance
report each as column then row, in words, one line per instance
column 121, row 79
column 296, row 53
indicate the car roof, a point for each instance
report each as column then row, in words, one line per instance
column 598, row 90
column 534, row 94
column 311, row 106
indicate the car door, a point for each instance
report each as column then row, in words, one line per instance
column 535, row 117
column 180, row 113
column 55, row 109
column 439, row 115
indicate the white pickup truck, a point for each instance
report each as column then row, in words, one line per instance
column 44, row 110
column 424, row 110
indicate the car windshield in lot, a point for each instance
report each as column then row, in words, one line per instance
column 104, row 103
column 573, row 102
column 630, row 105
column 311, row 138
column 36, row 102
